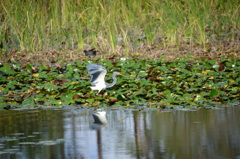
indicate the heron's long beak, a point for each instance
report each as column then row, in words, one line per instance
column 119, row 74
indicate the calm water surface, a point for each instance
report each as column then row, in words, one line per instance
column 70, row 133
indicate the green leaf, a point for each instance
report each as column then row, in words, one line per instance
column 49, row 86
column 184, row 71
column 7, row 69
column 28, row 102
column 121, row 97
column 213, row 93
column 167, row 92
column 67, row 99
column 29, row 68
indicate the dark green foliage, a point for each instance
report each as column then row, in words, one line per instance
column 200, row 83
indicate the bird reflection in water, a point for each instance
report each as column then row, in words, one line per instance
column 100, row 119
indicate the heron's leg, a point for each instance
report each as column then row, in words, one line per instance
column 98, row 92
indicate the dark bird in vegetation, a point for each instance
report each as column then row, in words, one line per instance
column 91, row 52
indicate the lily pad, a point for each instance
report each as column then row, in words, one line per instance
column 27, row 143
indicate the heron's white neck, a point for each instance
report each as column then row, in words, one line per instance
column 108, row 85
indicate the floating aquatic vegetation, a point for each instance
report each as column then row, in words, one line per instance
column 153, row 83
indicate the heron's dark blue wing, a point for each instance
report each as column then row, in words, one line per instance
column 95, row 77
column 98, row 73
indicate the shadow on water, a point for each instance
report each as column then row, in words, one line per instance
column 75, row 133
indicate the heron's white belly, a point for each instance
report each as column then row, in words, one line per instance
column 98, row 87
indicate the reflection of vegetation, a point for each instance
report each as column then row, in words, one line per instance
column 160, row 83
column 21, row 129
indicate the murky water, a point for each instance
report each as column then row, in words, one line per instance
column 42, row 134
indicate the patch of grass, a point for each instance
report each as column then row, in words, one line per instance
column 115, row 27
column 153, row 83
